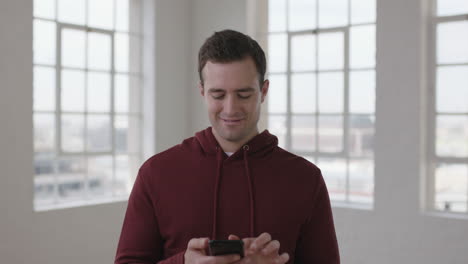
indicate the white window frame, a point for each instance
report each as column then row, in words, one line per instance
column 344, row 154
column 134, row 6
column 432, row 157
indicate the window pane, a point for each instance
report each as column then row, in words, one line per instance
column 451, row 187
column 362, row 47
column 452, row 89
column 330, row 134
column 127, row 134
column 333, row 13
column 361, row 136
column 276, row 15
column 452, row 136
column 73, row 90
column 331, row 51
column 44, row 8
column 122, row 184
column 44, row 132
column 302, row 14
column 122, row 14
column 451, row 7
column 100, row 175
column 277, row 127
column 72, row 133
column 277, row 94
column 361, row 181
column 99, row 92
column 303, row 93
column 44, row 88
column 303, row 53
column 121, row 100
column 72, row 11
column 134, row 134
column 70, row 177
column 363, row 11
column 331, row 89
column 362, row 92
column 44, row 42
column 101, row 14
column 121, row 133
column 73, row 48
column 99, row 51
column 99, row 133
column 334, row 174
column 452, row 42
column 277, row 52
column 135, row 94
column 44, row 180
column 303, row 133
column 121, row 52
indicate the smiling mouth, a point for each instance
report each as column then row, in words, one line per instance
column 231, row 121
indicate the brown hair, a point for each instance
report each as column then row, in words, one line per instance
column 228, row 46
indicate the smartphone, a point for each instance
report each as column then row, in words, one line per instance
column 226, row 247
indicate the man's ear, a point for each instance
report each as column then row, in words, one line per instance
column 201, row 88
column 264, row 89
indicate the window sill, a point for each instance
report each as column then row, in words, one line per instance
column 76, row 204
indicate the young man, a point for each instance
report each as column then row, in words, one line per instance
column 229, row 181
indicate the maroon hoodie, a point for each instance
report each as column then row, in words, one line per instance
column 195, row 190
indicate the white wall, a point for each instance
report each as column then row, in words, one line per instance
column 394, row 232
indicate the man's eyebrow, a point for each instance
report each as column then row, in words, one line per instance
column 215, row 90
column 248, row 89
column 242, row 90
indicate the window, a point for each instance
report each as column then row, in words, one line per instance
column 321, row 101
column 87, row 87
column 448, row 185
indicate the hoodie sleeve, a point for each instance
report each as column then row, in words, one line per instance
column 317, row 242
column 140, row 239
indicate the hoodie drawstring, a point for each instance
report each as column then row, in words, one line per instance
column 219, row 157
column 251, row 195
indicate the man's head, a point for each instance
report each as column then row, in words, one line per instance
column 228, row 46
column 232, row 68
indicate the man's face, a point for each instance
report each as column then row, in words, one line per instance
column 233, row 96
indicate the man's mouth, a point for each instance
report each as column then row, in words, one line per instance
column 231, row 121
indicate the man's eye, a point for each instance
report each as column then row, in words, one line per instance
column 244, row 95
column 217, row 96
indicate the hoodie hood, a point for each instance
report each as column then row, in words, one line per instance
column 258, row 146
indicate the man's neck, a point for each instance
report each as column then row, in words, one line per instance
column 233, row 146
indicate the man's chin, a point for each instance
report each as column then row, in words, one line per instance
column 230, row 135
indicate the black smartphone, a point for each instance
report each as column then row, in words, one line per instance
column 226, row 247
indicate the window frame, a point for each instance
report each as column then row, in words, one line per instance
column 346, row 114
column 135, row 9
column 433, row 159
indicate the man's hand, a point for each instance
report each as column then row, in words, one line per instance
column 196, row 254
column 261, row 250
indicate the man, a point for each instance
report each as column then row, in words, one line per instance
column 229, row 181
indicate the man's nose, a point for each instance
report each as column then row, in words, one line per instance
column 231, row 105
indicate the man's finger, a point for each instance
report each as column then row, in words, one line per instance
column 261, row 241
column 233, row 237
column 247, row 242
column 222, row 259
column 198, row 243
column 282, row 259
column 271, row 247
